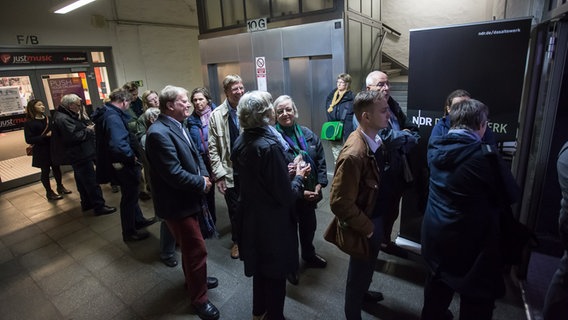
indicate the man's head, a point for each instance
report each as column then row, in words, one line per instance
column 174, row 102
column 455, row 97
column 255, row 110
column 378, row 81
column 72, row 102
column 234, row 89
column 371, row 109
column 120, row 98
column 471, row 115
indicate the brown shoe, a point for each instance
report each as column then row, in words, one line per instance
column 235, row 251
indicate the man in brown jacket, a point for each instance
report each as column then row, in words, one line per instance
column 354, row 192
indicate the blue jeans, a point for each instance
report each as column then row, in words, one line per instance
column 89, row 190
column 360, row 274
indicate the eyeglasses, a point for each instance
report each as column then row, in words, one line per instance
column 382, row 84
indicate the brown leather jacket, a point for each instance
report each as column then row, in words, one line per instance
column 355, row 184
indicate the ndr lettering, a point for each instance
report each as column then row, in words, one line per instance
column 498, row 127
column 422, row 121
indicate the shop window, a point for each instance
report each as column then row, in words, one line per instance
column 103, row 84
column 98, row 57
column 60, row 84
column 15, row 92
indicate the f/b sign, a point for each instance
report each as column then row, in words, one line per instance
column 257, row 24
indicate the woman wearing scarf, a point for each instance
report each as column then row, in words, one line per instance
column 303, row 142
column 339, row 103
column 198, row 126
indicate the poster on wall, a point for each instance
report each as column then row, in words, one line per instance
column 59, row 87
column 12, row 109
column 486, row 59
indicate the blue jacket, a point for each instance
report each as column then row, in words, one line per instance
column 461, row 228
column 442, row 127
column 115, row 143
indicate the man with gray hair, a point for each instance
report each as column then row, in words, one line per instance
column 73, row 142
column 179, row 182
column 223, row 131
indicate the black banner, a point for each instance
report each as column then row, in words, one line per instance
column 12, row 123
column 486, row 59
column 34, row 58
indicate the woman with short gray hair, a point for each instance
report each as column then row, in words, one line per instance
column 268, row 241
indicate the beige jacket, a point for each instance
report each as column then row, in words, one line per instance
column 355, row 184
column 220, row 144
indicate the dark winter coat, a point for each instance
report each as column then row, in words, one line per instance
column 461, row 227
column 442, row 127
column 176, row 171
column 34, row 134
column 268, row 241
column 343, row 111
column 71, row 141
column 115, row 143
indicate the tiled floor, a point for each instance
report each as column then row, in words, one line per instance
column 57, row 262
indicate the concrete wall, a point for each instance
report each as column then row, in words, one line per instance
column 151, row 41
column 405, row 15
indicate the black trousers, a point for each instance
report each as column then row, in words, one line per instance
column 232, row 199
column 268, row 297
column 438, row 296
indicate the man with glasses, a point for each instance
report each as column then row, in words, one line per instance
column 73, row 139
column 117, row 157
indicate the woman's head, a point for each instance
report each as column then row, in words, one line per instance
column 343, row 82
column 201, row 99
column 150, row 99
column 286, row 111
column 255, row 109
column 34, row 108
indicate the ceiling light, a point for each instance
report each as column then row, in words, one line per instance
column 68, row 6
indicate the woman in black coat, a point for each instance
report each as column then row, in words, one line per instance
column 37, row 131
column 267, row 224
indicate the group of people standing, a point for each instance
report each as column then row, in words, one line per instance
column 271, row 172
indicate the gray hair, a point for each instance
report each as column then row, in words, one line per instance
column 255, row 109
column 468, row 114
column 284, row 98
column 70, row 99
column 150, row 115
column 170, row 94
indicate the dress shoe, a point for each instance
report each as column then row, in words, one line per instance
column 62, row 190
column 293, row 278
column 373, row 296
column 104, row 210
column 146, row 222
column 316, row 262
column 235, row 251
column 136, row 236
column 207, row 311
column 144, row 196
column 394, row 250
column 212, row 282
column 261, row 317
column 50, row 195
column 170, row 262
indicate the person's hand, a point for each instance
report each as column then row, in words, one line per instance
column 208, row 184
column 221, row 185
column 48, row 134
column 291, row 169
column 311, row 196
column 303, row 169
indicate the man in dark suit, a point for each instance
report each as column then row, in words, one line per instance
column 179, row 182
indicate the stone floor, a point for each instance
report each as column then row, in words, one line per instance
column 57, row 262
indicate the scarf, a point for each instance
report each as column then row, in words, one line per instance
column 337, row 96
column 204, row 116
column 295, row 138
